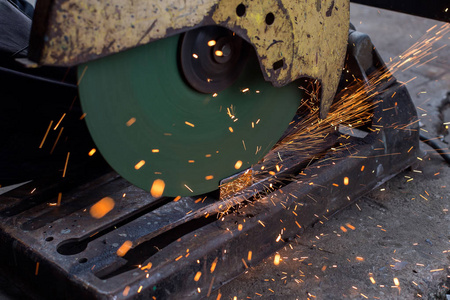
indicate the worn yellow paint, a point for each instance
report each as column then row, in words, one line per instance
column 308, row 37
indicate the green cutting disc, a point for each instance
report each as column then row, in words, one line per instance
column 150, row 124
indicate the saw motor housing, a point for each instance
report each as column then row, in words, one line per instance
column 292, row 39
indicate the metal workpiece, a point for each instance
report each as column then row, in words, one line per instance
column 292, row 39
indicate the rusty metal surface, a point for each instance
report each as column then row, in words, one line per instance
column 292, row 39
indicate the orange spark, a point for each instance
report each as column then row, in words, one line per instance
column 245, row 264
column 102, row 207
column 92, row 152
column 436, row 270
column 65, row 166
column 59, row 122
column 276, row 259
column 46, row 133
column 126, row 291
column 57, row 139
column 157, row 188
column 82, row 75
column 197, row 276
column 346, row 180
column 186, row 186
column 139, row 164
column 350, row 226
column 189, row 124
column 124, row 248
column 59, row 199
column 238, row 165
column 131, row 122
column 213, row 265
column 396, row 282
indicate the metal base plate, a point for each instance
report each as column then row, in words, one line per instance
column 63, row 251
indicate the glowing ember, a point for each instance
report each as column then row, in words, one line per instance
column 59, row 122
column 197, row 276
column 65, row 166
column 211, row 43
column 131, row 122
column 209, row 177
column 147, row 267
column 102, row 207
column 189, row 124
column 276, row 259
column 139, row 164
column 186, row 186
column 92, row 152
column 126, row 291
column 82, row 75
column 345, row 180
column 45, row 136
column 157, row 188
column 396, row 282
column 350, row 226
column 57, row 139
column 238, row 165
column 59, row 199
column 213, row 265
column 124, row 248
